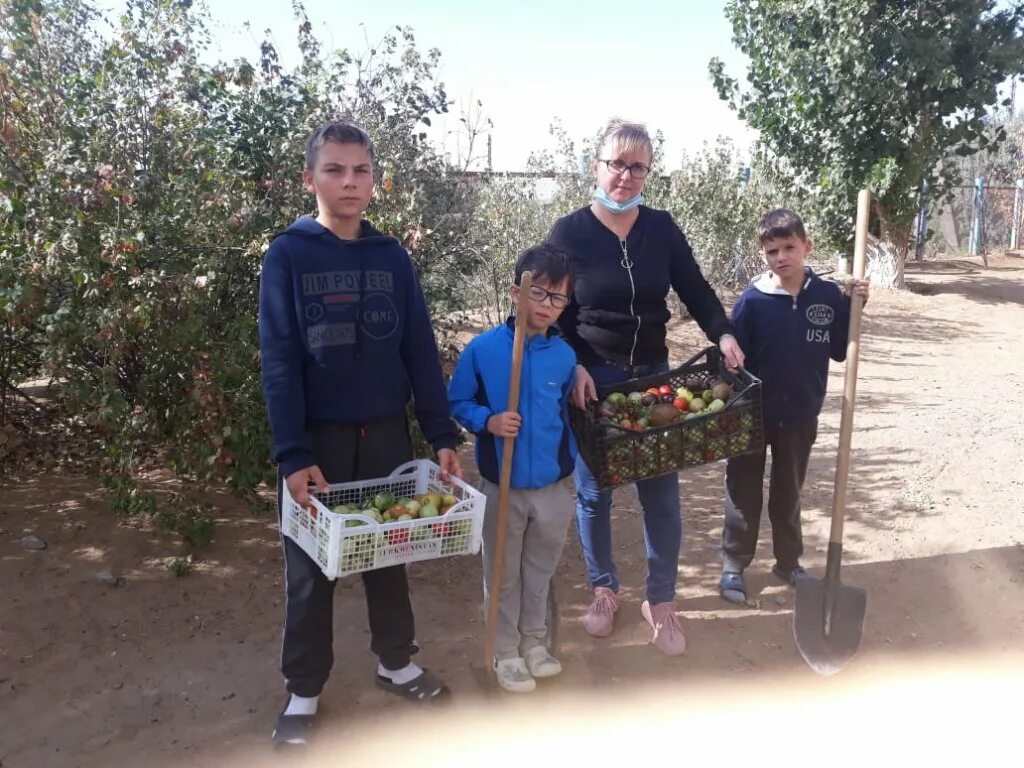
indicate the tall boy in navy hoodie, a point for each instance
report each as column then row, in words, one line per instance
column 540, row 504
column 789, row 322
column 345, row 338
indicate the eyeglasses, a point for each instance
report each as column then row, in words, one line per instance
column 636, row 170
column 558, row 300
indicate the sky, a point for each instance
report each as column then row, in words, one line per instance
column 531, row 62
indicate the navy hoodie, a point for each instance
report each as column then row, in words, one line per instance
column 345, row 336
column 788, row 341
column 545, row 449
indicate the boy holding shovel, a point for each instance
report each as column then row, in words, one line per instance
column 540, row 505
column 789, row 322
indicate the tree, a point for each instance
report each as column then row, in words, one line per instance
column 876, row 93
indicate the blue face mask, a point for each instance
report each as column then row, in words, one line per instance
column 616, row 207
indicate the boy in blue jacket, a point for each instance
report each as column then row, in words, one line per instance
column 345, row 339
column 540, row 504
column 789, row 322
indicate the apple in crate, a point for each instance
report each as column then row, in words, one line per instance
column 344, row 509
column 384, row 501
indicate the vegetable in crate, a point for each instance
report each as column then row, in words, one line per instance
column 384, row 501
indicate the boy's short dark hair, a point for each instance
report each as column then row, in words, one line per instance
column 339, row 131
column 782, row 222
column 545, row 260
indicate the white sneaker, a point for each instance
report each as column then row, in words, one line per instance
column 541, row 663
column 513, row 676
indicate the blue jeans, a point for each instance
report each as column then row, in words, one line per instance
column 659, row 498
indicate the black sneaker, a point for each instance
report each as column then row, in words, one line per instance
column 790, row 575
column 293, row 730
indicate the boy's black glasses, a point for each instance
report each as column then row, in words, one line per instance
column 558, row 300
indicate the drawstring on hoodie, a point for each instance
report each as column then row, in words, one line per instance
column 357, row 349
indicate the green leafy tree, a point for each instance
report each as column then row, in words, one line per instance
column 875, row 93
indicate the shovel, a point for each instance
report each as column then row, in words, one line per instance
column 828, row 620
column 485, row 673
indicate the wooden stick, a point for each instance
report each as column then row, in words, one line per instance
column 504, row 489
column 860, row 248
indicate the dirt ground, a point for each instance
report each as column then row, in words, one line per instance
column 164, row 671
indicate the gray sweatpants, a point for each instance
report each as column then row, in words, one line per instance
column 538, row 522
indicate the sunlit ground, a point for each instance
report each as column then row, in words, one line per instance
column 939, row 713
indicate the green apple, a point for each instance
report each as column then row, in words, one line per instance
column 383, row 501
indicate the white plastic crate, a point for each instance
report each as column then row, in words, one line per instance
column 343, row 544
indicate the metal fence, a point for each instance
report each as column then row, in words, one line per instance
column 976, row 220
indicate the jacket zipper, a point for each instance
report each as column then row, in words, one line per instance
column 627, row 265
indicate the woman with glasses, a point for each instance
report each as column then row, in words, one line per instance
column 626, row 257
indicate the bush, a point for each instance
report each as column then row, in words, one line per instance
column 141, row 188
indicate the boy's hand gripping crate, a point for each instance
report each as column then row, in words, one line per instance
column 357, row 540
column 618, row 456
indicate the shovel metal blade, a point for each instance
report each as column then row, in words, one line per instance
column 828, row 643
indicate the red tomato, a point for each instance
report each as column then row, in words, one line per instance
column 665, row 389
column 681, row 403
column 653, row 391
column 398, row 536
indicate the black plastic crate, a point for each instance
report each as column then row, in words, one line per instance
column 619, row 456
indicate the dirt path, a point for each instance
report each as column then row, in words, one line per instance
column 163, row 671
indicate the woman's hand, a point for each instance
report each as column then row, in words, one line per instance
column 583, row 389
column 731, row 351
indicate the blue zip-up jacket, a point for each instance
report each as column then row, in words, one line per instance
column 345, row 336
column 545, row 450
column 788, row 341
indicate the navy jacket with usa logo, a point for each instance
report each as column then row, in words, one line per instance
column 788, row 341
column 345, row 336
column 545, row 449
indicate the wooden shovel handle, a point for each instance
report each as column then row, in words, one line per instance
column 860, row 248
column 504, row 488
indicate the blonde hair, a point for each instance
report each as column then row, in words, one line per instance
column 622, row 136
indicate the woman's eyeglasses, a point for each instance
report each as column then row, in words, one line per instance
column 636, row 170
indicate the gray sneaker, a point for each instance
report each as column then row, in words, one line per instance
column 514, row 676
column 541, row 663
